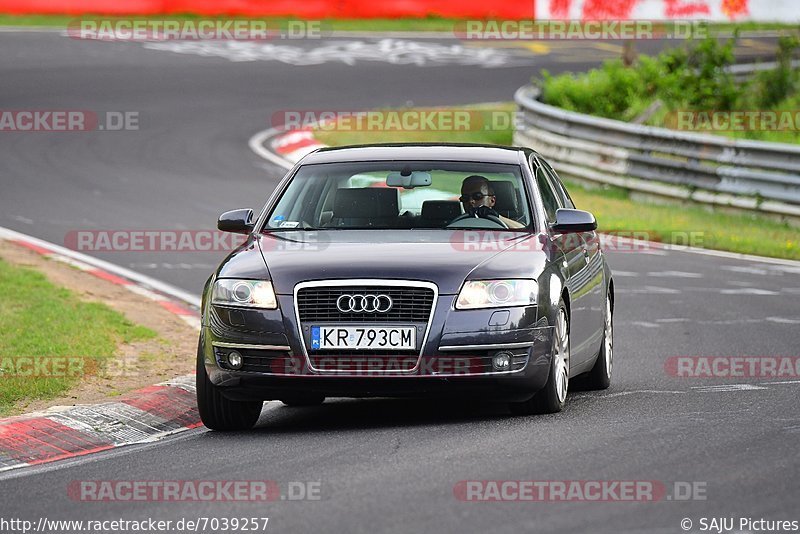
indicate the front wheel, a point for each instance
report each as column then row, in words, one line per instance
column 218, row 412
column 552, row 397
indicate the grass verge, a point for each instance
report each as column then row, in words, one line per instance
column 613, row 207
column 50, row 340
column 688, row 224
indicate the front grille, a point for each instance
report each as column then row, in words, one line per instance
column 410, row 304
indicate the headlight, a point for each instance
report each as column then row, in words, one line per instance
column 496, row 294
column 247, row 293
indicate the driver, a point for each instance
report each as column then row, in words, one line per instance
column 477, row 197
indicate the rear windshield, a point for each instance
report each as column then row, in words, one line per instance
column 402, row 195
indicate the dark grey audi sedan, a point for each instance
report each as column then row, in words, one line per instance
column 407, row 270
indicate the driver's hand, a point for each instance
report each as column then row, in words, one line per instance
column 483, row 212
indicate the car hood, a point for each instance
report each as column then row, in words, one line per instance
column 442, row 257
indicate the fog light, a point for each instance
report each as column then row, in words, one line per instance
column 502, row 361
column 235, row 359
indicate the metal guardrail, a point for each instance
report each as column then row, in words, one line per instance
column 706, row 168
column 744, row 71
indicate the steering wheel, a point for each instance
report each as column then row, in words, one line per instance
column 488, row 217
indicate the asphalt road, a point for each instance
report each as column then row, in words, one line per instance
column 385, row 465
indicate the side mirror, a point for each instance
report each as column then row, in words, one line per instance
column 574, row 221
column 236, row 221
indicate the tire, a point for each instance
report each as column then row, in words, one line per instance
column 218, row 412
column 600, row 375
column 303, row 400
column 552, row 397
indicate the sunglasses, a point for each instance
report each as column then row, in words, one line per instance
column 473, row 196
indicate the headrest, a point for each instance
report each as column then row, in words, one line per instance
column 366, row 203
column 505, row 197
column 441, row 210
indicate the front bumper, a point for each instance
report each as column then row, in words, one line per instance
column 454, row 360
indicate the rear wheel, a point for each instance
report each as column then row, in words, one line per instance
column 600, row 375
column 552, row 397
column 218, row 412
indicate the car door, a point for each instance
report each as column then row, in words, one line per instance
column 572, row 245
column 594, row 299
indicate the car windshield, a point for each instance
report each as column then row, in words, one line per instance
column 402, row 195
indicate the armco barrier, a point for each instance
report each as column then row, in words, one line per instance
column 705, row 168
column 310, row 9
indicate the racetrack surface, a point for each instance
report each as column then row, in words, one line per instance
column 387, row 465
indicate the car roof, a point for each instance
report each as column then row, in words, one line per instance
column 418, row 151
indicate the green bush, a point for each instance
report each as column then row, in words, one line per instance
column 695, row 78
column 691, row 78
column 613, row 91
column 774, row 86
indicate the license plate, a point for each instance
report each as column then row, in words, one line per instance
column 363, row 337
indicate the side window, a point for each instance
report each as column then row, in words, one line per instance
column 548, row 196
column 561, row 191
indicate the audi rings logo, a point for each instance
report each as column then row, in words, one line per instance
column 364, row 303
